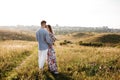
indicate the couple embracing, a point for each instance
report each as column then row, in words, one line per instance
column 46, row 39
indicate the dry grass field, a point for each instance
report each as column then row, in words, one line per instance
column 19, row 60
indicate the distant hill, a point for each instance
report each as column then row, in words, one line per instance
column 82, row 35
column 105, row 38
column 16, row 35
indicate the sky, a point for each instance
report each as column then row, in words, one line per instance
column 83, row 13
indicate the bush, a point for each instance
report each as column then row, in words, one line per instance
column 65, row 42
column 95, row 44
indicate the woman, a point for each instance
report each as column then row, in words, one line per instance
column 52, row 64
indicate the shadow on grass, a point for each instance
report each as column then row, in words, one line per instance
column 60, row 76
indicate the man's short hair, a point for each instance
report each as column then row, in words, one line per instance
column 43, row 21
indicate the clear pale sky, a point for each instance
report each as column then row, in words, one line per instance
column 61, row 12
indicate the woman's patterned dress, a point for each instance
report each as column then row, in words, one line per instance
column 52, row 64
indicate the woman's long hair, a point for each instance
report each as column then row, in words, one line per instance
column 50, row 28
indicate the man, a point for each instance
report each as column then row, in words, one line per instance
column 44, row 41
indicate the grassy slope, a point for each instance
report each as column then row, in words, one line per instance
column 16, row 35
column 108, row 39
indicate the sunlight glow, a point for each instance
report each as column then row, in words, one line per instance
column 61, row 12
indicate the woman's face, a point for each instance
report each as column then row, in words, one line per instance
column 47, row 28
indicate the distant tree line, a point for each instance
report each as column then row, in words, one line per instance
column 64, row 29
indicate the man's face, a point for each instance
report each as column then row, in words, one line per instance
column 44, row 25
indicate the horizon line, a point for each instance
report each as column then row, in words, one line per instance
column 62, row 26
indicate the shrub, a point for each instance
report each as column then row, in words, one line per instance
column 95, row 44
column 65, row 42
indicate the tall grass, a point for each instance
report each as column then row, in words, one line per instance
column 12, row 53
column 74, row 63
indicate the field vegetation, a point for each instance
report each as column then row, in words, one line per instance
column 19, row 58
